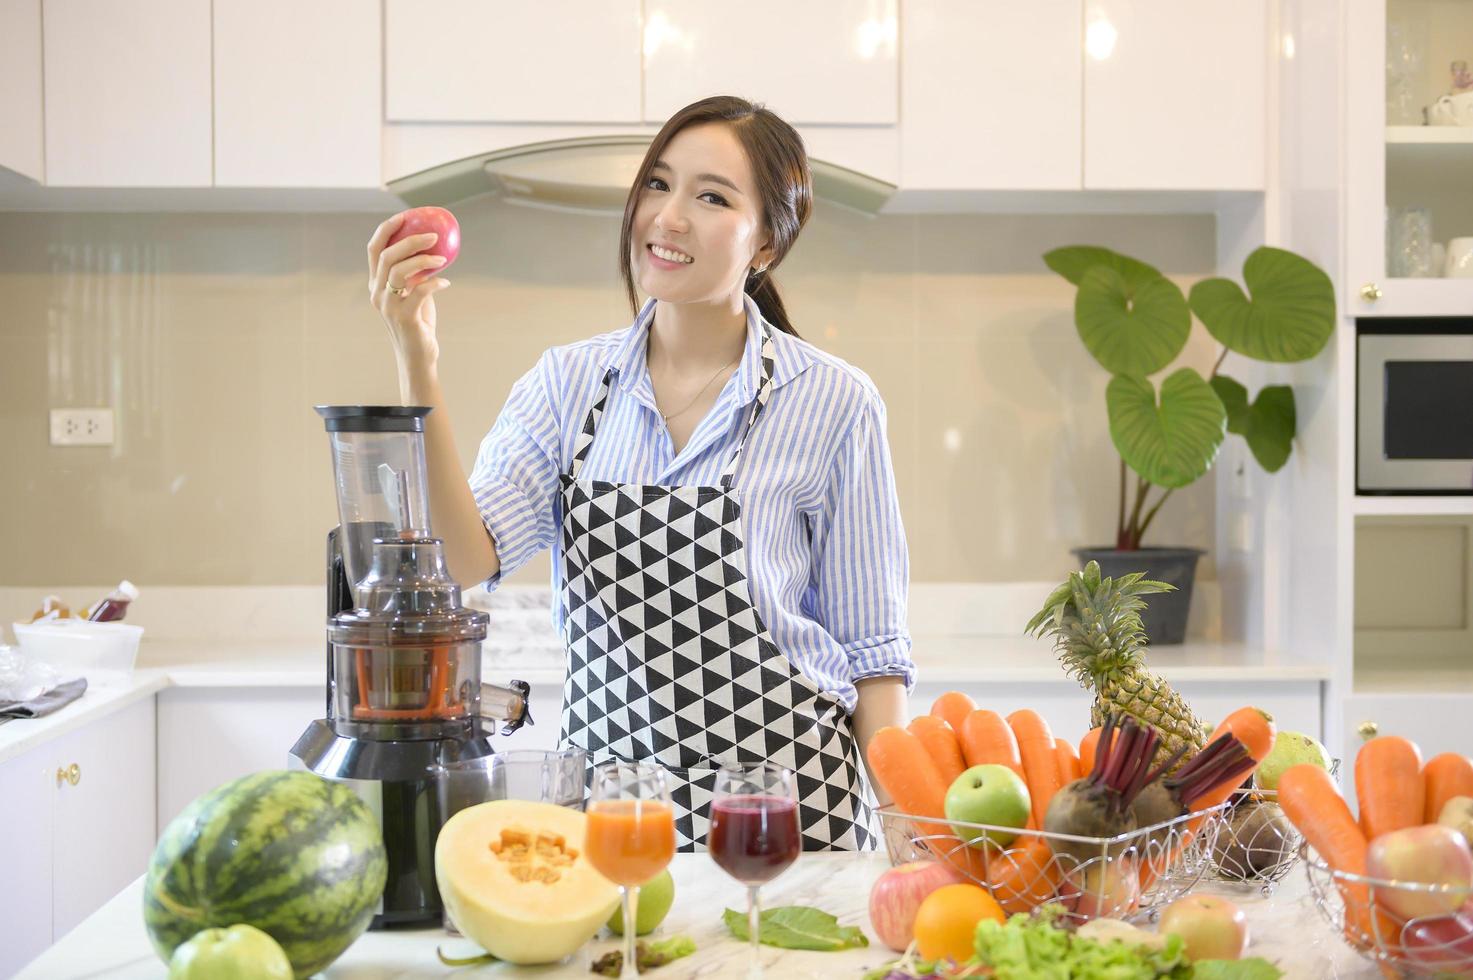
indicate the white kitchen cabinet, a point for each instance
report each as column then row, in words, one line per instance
column 78, row 820
column 991, row 95
column 299, row 107
column 103, row 823
column 27, row 785
column 484, row 61
column 1175, row 94
column 1438, row 723
column 210, row 735
column 826, row 63
column 21, row 138
column 127, row 93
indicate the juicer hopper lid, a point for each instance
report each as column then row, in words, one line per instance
column 374, row 418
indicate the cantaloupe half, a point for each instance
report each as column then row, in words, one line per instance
column 514, row 878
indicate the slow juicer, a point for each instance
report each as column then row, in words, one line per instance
column 404, row 690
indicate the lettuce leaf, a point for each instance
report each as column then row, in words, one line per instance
column 1255, row 968
column 1032, row 948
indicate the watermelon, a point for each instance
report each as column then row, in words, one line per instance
column 297, row 856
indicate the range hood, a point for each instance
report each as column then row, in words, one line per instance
column 591, row 175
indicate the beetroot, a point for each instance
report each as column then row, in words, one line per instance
column 1166, row 799
column 1099, row 805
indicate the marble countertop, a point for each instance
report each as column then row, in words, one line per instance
column 1285, row 929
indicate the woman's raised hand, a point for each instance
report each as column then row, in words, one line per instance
column 408, row 311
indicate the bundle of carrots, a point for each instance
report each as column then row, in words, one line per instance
column 916, row 766
column 1396, row 791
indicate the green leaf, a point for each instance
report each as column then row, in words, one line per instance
column 797, row 927
column 1174, row 443
column 1073, row 261
column 1268, row 423
column 1131, row 331
column 1291, row 314
column 1234, row 398
column 1254, row 968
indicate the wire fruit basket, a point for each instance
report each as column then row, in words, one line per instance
column 1130, row 876
column 1256, row 844
column 1357, row 907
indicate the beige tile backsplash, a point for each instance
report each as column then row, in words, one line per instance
column 212, row 336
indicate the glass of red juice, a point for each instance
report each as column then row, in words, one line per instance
column 754, row 833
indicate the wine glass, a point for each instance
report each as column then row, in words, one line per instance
column 754, row 834
column 630, row 836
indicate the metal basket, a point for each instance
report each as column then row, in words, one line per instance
column 1257, row 855
column 1354, row 905
column 1130, row 876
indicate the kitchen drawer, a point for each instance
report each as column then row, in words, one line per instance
column 27, row 785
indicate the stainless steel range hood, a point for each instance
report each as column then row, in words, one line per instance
column 591, row 175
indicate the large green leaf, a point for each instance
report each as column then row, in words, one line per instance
column 1268, row 423
column 1127, row 333
column 1073, row 261
column 1290, row 316
column 1173, row 443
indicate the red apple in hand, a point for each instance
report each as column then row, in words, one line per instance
column 899, row 892
column 1433, row 855
column 1444, row 945
column 1212, row 928
column 418, row 221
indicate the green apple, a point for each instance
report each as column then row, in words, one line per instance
column 655, row 898
column 990, row 794
column 1290, row 749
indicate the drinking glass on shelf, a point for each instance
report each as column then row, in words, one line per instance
column 754, row 834
column 631, row 835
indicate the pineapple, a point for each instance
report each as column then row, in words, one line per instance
column 1096, row 626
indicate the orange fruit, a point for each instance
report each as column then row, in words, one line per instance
column 947, row 920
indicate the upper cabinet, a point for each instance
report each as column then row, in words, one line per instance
column 297, row 107
column 494, row 61
column 20, row 87
column 127, row 93
column 991, row 95
column 828, row 63
column 1175, row 94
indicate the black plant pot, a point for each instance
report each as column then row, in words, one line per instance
column 1165, row 615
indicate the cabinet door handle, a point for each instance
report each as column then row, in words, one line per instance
column 1367, row 730
column 71, row 774
column 1370, row 292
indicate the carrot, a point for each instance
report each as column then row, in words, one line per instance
column 1024, row 877
column 941, row 745
column 1087, row 748
column 954, row 706
column 1068, row 762
column 1389, row 786
column 907, row 772
column 1251, row 726
column 1314, row 805
column 1040, row 759
column 986, row 738
column 1446, row 776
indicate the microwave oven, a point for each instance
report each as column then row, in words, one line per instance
column 1414, row 405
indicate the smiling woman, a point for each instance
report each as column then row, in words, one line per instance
column 729, row 566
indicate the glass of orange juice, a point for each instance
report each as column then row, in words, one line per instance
column 631, row 834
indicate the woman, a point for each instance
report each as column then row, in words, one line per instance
column 729, row 567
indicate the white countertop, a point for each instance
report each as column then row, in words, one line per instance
column 1286, row 929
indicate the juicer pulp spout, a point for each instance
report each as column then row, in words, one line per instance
column 510, row 704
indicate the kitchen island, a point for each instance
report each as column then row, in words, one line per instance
column 1286, row 929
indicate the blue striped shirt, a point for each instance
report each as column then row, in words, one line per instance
column 826, row 557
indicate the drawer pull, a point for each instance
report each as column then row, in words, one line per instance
column 71, row 774
column 1367, row 730
column 1370, row 292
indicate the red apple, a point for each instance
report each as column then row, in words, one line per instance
column 1432, row 855
column 1443, row 944
column 898, row 893
column 417, row 221
column 1212, row 928
column 1110, row 890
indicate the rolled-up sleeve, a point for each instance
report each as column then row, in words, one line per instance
column 861, row 558
column 515, row 478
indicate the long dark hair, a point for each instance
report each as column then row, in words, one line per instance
column 779, row 163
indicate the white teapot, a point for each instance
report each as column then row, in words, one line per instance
column 1451, row 110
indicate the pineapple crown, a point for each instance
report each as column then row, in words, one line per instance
column 1096, row 622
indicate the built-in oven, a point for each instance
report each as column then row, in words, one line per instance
column 1414, row 405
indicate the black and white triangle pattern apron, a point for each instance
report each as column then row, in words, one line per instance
column 669, row 661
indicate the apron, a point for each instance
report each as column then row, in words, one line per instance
column 669, row 660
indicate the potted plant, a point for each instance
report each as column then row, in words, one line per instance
column 1135, row 322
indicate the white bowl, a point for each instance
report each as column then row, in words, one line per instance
column 77, row 648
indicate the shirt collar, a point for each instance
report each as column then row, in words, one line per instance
column 628, row 357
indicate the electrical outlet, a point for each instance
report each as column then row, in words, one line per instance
column 81, row 427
